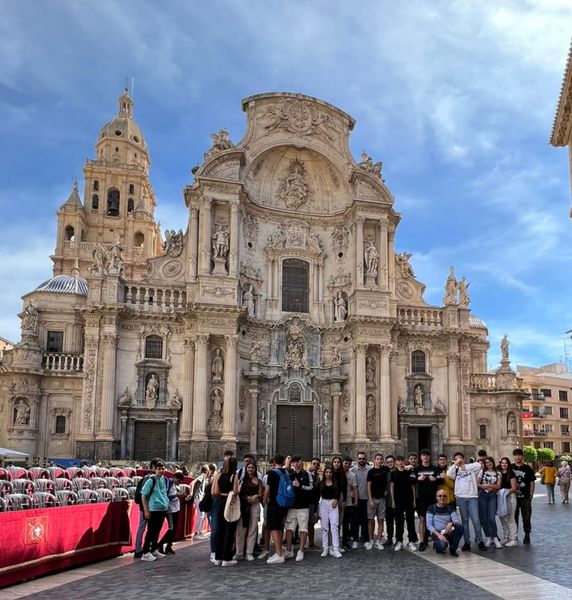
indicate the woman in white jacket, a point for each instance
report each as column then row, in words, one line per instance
column 508, row 489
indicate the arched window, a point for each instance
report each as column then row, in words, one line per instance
column 95, row 185
column 130, row 205
column 95, row 202
column 131, row 188
column 60, row 424
column 69, row 233
column 113, row 202
column 418, row 362
column 482, row 431
column 138, row 240
column 153, row 346
column 295, row 290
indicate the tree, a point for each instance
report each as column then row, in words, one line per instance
column 545, row 454
column 530, row 454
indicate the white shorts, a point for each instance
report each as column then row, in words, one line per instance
column 297, row 517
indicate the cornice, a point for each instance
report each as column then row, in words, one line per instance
column 561, row 134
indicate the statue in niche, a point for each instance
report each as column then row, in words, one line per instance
column 125, row 399
column 176, row 401
column 217, row 400
column 248, row 299
column 450, row 289
column 511, row 424
column 21, row 413
column 439, row 407
column 152, row 392
column 220, row 242
column 255, row 351
column 462, row 287
column 370, row 371
column 326, row 419
column 295, row 343
column 340, row 308
column 504, row 348
column 217, row 366
column 371, row 256
column 100, row 264
column 418, row 395
column 263, row 416
column 116, row 257
column 293, row 190
column 29, row 318
column 370, row 414
column 173, row 245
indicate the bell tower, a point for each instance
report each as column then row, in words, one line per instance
column 118, row 201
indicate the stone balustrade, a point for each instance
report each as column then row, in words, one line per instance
column 86, row 249
column 431, row 318
column 483, row 381
column 63, row 363
column 154, row 299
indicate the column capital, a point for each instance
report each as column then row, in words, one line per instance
column 202, row 339
column 360, row 348
column 193, row 212
column 189, row 343
column 231, row 340
column 109, row 340
column 234, row 206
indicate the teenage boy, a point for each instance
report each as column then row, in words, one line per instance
column 360, row 471
column 525, row 483
column 428, row 479
column 155, row 504
column 172, row 513
column 349, row 528
column 403, row 499
column 314, row 471
column 467, row 495
column 389, row 511
column 443, row 525
column 276, row 513
column 142, row 521
column 298, row 515
column 376, row 493
column 412, row 460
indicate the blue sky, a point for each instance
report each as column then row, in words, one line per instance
column 456, row 98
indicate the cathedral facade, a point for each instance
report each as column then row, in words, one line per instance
column 279, row 318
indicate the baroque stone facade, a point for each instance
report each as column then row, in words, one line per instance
column 280, row 318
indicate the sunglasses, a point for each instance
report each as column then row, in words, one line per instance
column 441, row 495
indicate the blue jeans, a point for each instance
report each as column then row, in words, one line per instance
column 214, row 520
column 487, row 512
column 453, row 538
column 469, row 509
column 140, row 531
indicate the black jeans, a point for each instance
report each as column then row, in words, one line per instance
column 402, row 514
column 349, row 526
column 154, row 525
column 225, row 535
column 524, row 505
column 361, row 520
column 169, row 536
column 389, row 521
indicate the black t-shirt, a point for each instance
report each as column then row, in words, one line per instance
column 273, row 480
column 304, row 492
column 427, row 489
column 378, row 478
column 524, row 477
column 329, row 492
column 402, row 491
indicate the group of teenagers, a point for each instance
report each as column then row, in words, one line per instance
column 371, row 504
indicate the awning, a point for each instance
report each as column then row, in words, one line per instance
column 6, row 452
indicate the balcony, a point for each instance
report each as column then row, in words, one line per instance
column 63, row 363
column 483, row 381
column 155, row 299
column 429, row 318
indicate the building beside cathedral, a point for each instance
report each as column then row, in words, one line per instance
column 280, row 318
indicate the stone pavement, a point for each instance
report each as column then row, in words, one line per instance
column 526, row 572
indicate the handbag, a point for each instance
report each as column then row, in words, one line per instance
column 232, row 508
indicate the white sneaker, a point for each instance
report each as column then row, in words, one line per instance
column 497, row 542
column 398, row 546
column 331, row 551
column 229, row 563
column 379, row 545
column 337, row 553
column 249, row 557
column 148, row 557
column 355, row 545
column 368, row 545
column 288, row 554
column 158, row 554
column 488, row 542
column 275, row 559
column 213, row 557
column 262, row 555
column 511, row 544
column 299, row 556
column 324, row 552
column 411, row 546
column 238, row 557
column 383, row 540
column 342, row 550
column 217, row 563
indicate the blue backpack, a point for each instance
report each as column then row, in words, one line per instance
column 285, row 495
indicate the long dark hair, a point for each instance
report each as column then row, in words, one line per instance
column 506, row 477
column 340, row 476
column 229, row 467
column 329, row 467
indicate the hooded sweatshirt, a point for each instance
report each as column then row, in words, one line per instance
column 465, row 480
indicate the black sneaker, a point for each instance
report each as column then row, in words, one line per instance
column 169, row 550
column 138, row 554
column 422, row 547
column 453, row 553
column 388, row 543
column 526, row 539
column 466, row 547
column 482, row 547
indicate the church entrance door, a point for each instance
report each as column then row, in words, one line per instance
column 418, row 438
column 150, row 440
column 294, row 430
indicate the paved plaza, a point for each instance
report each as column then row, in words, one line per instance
column 538, row 571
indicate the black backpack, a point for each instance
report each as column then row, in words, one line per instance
column 206, row 503
column 138, row 489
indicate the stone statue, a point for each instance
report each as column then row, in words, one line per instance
column 293, row 190
column 371, row 258
column 22, row 416
column 176, row 401
column 368, row 165
column 125, row 399
column 152, row 392
column 220, row 242
column 335, row 356
column 248, row 299
column 116, row 260
column 504, row 348
column 220, row 142
column 217, row 403
column 511, row 424
column 402, row 260
column 326, row 419
column 463, row 287
column 255, row 351
column 173, row 245
column 450, row 297
column 100, row 264
column 340, row 308
column 439, row 407
column 370, row 371
column 401, row 406
column 263, row 416
column 217, row 366
column 29, row 318
column 295, row 344
column 418, row 394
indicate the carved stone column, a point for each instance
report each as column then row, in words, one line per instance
column 230, row 395
column 360, row 387
column 269, row 268
column 201, row 408
column 453, row 398
column 359, row 250
column 383, row 258
column 205, row 238
column 391, row 259
column 188, row 381
column 109, row 346
column 253, row 391
column 385, row 394
column 193, row 242
column 233, row 254
column 336, row 395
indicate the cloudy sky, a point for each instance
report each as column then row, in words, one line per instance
column 456, row 98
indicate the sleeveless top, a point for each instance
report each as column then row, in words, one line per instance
column 225, row 483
